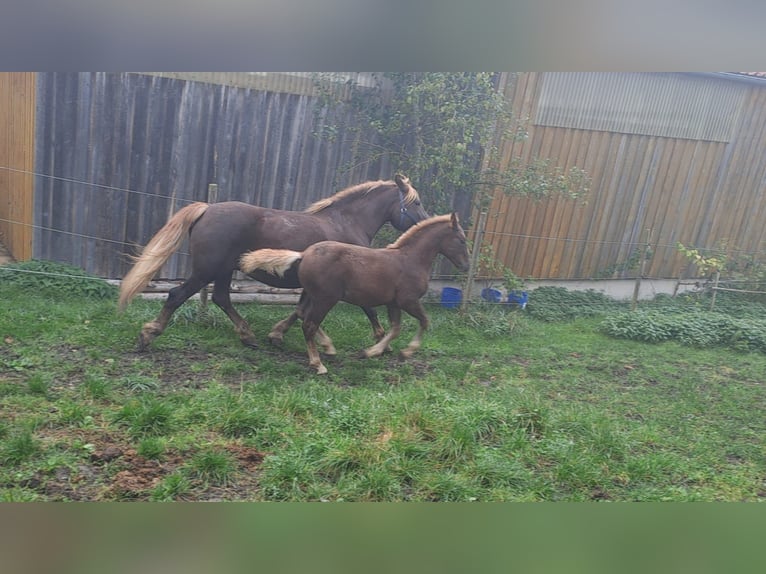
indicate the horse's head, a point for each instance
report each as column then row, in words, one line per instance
column 408, row 210
column 454, row 247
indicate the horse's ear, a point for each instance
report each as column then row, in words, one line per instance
column 455, row 221
column 402, row 181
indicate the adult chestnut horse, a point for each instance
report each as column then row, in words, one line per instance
column 220, row 233
column 396, row 277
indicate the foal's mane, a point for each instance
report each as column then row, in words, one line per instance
column 359, row 190
column 405, row 237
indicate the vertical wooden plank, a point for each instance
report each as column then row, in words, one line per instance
column 17, row 154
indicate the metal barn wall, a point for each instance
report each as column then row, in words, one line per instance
column 118, row 153
column 694, row 191
column 17, row 120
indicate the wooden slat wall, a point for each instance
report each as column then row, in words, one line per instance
column 150, row 144
column 700, row 193
column 17, row 120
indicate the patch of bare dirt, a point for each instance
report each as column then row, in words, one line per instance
column 115, row 471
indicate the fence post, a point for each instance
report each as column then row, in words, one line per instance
column 475, row 252
column 715, row 289
column 642, row 269
column 212, row 197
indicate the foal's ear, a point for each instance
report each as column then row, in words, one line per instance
column 402, row 181
column 455, row 221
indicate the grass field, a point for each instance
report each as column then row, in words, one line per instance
column 496, row 406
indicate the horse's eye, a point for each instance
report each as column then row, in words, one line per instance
column 417, row 202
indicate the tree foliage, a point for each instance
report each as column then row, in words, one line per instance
column 444, row 130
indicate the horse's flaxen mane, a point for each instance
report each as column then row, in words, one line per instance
column 359, row 189
column 405, row 237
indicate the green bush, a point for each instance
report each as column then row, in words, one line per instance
column 560, row 304
column 48, row 276
column 692, row 328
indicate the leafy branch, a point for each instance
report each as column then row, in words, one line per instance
column 445, row 130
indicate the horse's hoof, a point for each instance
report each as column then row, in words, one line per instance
column 276, row 339
column 249, row 342
column 142, row 343
column 321, row 369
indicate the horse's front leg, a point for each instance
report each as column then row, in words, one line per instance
column 394, row 318
column 222, row 298
column 416, row 310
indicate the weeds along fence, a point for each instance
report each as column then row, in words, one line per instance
column 630, row 269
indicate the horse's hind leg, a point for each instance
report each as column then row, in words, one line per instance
column 222, row 298
column 394, row 318
column 176, row 297
column 416, row 310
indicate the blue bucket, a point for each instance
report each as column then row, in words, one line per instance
column 519, row 298
column 491, row 295
column 451, row 297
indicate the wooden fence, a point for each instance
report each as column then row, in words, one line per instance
column 17, row 121
column 121, row 152
column 699, row 192
column 114, row 154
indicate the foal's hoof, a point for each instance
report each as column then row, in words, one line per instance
column 321, row 370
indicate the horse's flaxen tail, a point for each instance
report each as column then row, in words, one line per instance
column 158, row 250
column 274, row 261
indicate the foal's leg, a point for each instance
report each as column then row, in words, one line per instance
column 278, row 331
column 277, row 334
column 222, row 298
column 326, row 342
column 313, row 316
column 378, row 332
column 415, row 308
column 176, row 297
column 394, row 318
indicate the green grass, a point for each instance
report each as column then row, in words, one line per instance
column 496, row 406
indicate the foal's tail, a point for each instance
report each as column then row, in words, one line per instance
column 274, row 261
column 158, row 250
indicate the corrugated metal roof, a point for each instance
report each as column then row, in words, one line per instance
column 653, row 104
column 752, row 74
